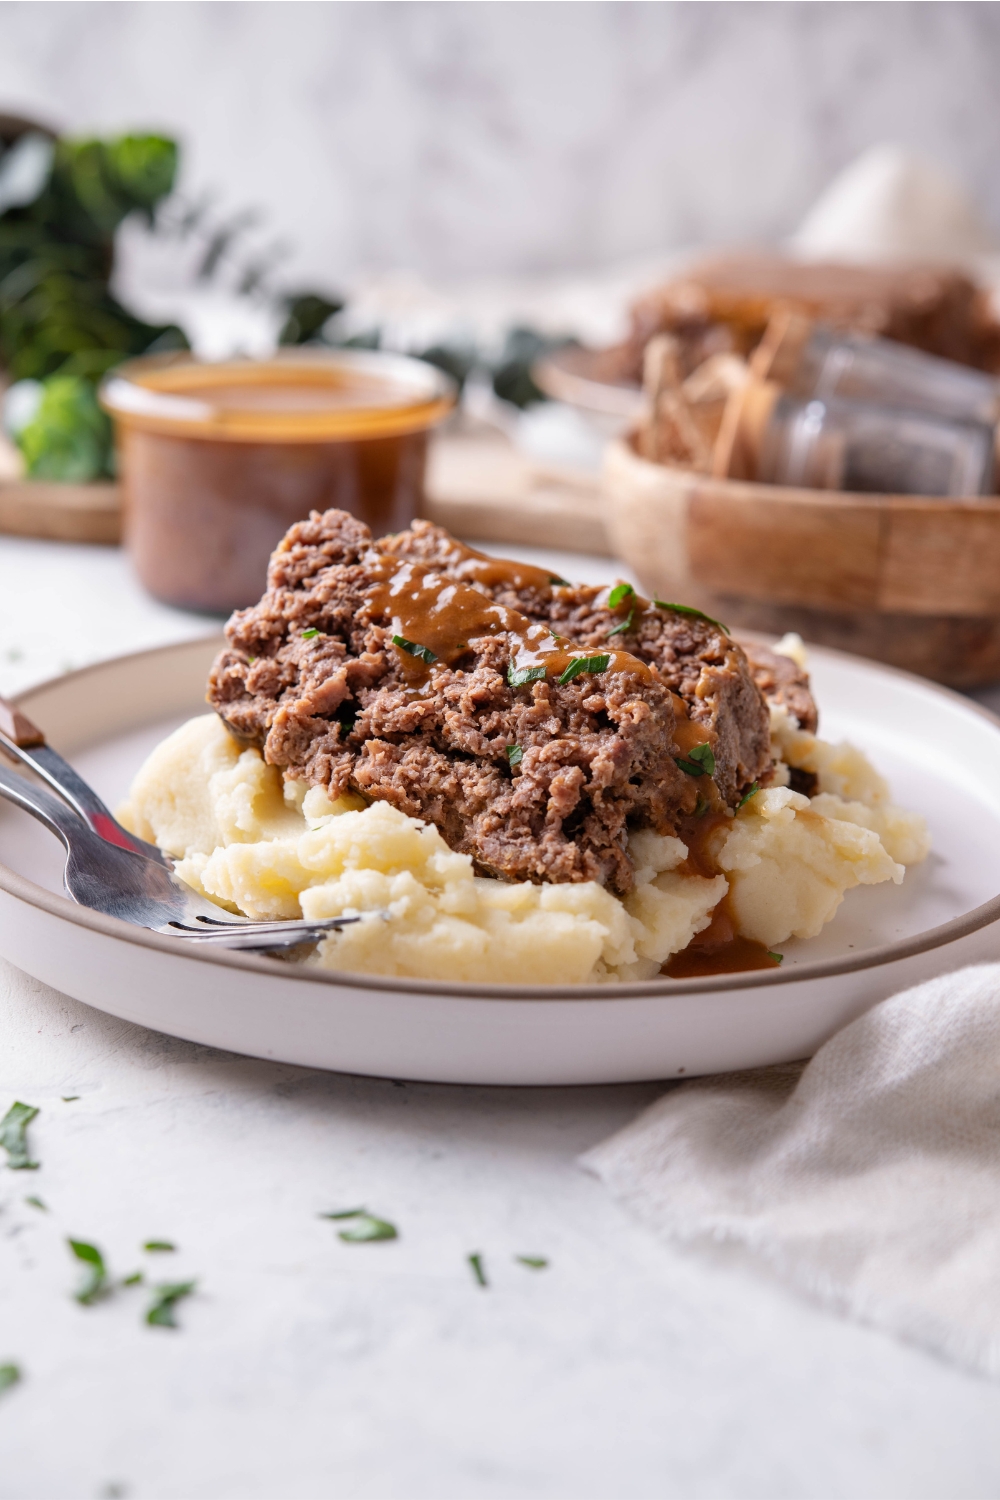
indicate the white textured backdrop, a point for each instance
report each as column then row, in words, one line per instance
column 517, row 137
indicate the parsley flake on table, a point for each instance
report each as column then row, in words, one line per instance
column 10, row 1374
column 521, row 677
column 14, row 1138
column 534, row 1262
column 37, row 1203
column 69, row 1098
column 699, row 761
column 95, row 1273
column 132, row 1280
column 750, row 792
column 310, row 634
column 413, row 648
column 365, row 1227
column 478, row 1268
column 515, row 754
column 165, row 1299
column 153, row 1245
column 696, row 614
column 342, row 1213
column 581, row 664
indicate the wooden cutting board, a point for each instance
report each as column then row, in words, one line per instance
column 479, row 487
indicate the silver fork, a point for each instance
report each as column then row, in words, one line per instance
column 114, row 875
column 23, row 741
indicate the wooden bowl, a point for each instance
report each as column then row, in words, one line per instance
column 904, row 579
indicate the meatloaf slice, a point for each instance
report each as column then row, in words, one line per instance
column 369, row 671
column 694, row 656
column 783, row 682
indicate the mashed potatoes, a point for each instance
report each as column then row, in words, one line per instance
column 271, row 848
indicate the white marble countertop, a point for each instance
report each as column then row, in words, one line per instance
column 309, row 1368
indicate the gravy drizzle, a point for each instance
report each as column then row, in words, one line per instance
column 442, row 615
column 718, row 948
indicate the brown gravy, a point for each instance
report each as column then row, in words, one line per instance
column 440, row 615
column 493, row 571
column 719, row 950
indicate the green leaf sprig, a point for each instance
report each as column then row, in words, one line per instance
column 95, row 1273
column 581, row 664
column 414, row 649
column 310, row 634
column 778, row 957
column 13, row 1136
column 521, row 678
column 750, row 792
column 695, row 614
column 478, row 1268
column 165, row 1299
column 699, row 761
column 623, row 625
column 515, row 755
column 619, row 594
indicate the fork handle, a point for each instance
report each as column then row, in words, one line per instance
column 18, row 728
column 40, row 803
column 47, row 763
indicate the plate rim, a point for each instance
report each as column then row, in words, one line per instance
column 22, row 889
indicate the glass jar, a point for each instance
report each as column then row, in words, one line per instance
column 849, row 445
column 855, row 446
column 218, row 460
column 813, row 361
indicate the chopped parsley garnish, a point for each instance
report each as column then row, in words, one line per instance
column 414, row 649
column 37, row 1203
column 95, row 1273
column 535, row 1262
column 251, row 660
column 581, row 664
column 9, row 1375
column 750, row 792
column 524, row 676
column 515, row 754
column 478, row 1269
column 699, row 761
column 696, row 614
column 310, row 634
column 14, row 1138
column 778, row 957
column 559, row 583
column 619, row 593
column 364, row 1226
column 701, row 806
column 165, row 1299
column 72, row 1098
column 623, row 625
column 155, row 1245
column 132, row 1280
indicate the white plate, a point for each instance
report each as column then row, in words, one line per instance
column 940, row 751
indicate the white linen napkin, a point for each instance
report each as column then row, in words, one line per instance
column 868, row 1177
